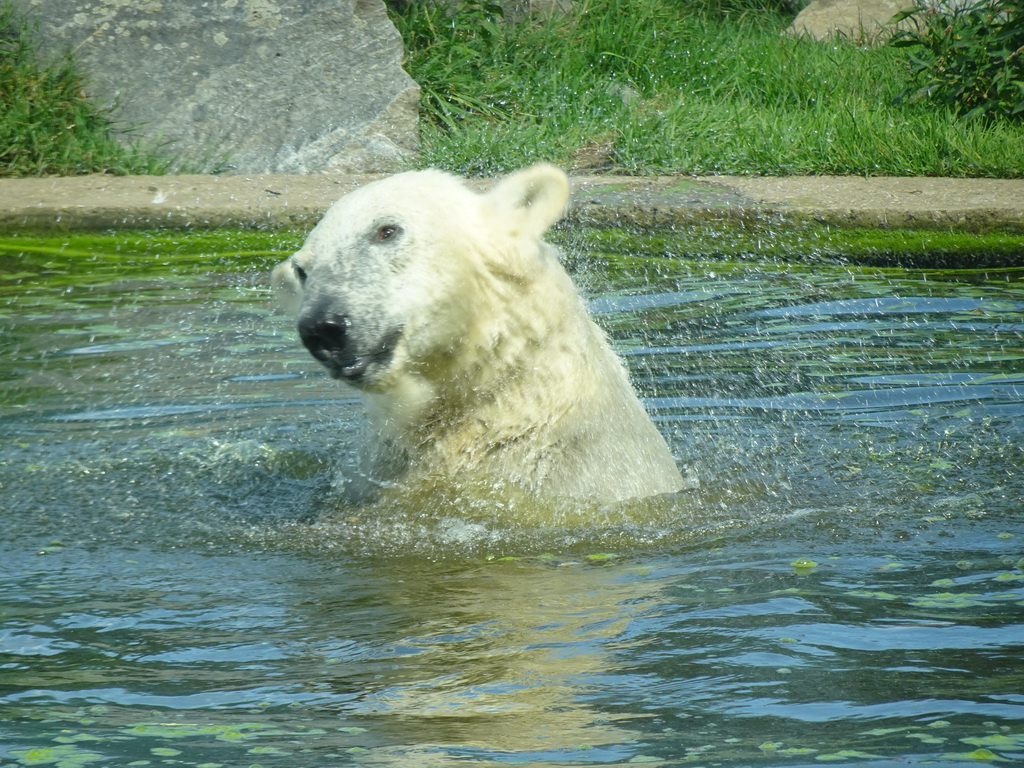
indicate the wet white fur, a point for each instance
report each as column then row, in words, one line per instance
column 500, row 374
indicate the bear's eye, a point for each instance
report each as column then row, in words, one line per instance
column 300, row 273
column 386, row 232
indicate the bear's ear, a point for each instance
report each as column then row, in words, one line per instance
column 531, row 200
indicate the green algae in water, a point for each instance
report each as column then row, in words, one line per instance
column 89, row 259
column 804, row 564
column 65, row 756
column 231, row 733
column 778, row 242
column 137, row 252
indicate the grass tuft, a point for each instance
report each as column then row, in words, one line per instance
column 47, row 125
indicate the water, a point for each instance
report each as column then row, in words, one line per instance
column 845, row 587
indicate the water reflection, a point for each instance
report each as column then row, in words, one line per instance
column 500, row 659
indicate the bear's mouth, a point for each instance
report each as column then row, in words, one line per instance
column 345, row 364
column 330, row 339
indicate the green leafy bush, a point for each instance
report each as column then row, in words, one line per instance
column 970, row 57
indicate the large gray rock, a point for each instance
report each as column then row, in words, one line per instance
column 865, row 21
column 286, row 86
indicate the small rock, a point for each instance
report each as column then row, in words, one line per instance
column 862, row 21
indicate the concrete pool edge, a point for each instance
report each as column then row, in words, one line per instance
column 275, row 201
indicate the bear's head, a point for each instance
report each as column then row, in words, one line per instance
column 401, row 274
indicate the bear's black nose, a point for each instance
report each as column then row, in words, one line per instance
column 324, row 336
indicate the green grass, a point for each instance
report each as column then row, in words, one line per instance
column 666, row 86
column 47, row 125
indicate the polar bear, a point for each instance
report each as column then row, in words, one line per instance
column 468, row 343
